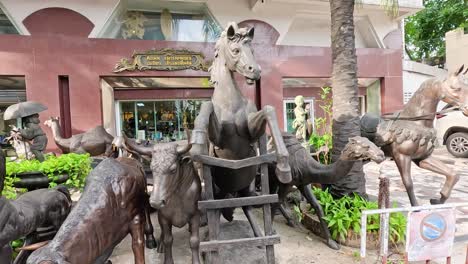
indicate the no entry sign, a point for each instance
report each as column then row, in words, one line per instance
column 430, row 234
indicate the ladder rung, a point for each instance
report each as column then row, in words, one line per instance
column 235, row 164
column 238, row 202
column 215, row 245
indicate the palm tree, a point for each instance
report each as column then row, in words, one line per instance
column 345, row 89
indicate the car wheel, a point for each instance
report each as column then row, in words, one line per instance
column 457, row 144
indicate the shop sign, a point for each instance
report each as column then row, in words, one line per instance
column 430, row 234
column 163, row 60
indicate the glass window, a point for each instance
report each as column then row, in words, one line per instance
column 6, row 27
column 166, row 25
column 159, row 120
column 127, row 119
column 146, row 123
column 362, row 105
column 167, row 120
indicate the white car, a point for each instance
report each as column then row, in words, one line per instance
column 452, row 131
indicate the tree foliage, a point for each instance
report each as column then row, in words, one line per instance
column 425, row 31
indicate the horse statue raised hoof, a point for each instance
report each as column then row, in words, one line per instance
column 231, row 122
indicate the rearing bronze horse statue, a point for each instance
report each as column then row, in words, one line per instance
column 410, row 136
column 233, row 122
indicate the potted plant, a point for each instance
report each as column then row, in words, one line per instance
column 69, row 169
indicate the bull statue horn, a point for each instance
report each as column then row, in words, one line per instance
column 142, row 150
column 35, row 246
column 184, row 149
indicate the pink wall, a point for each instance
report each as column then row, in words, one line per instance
column 58, row 45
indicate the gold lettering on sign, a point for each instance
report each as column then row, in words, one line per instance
column 153, row 63
column 163, row 60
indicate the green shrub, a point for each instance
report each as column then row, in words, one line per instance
column 16, row 244
column 322, row 134
column 77, row 166
column 318, row 141
column 344, row 217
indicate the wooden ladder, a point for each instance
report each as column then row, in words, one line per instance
column 212, row 206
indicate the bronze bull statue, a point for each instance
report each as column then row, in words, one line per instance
column 114, row 203
column 177, row 190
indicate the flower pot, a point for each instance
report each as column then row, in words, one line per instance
column 33, row 180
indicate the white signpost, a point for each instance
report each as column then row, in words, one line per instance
column 430, row 231
column 430, row 234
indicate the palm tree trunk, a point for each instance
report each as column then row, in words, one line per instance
column 345, row 93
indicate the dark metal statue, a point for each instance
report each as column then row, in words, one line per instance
column 114, row 203
column 22, row 217
column 177, row 190
column 409, row 136
column 33, row 131
column 95, row 141
column 232, row 122
column 306, row 170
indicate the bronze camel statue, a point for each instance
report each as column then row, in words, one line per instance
column 176, row 192
column 409, row 136
column 232, row 122
column 306, row 170
column 114, row 203
column 22, row 217
column 95, row 141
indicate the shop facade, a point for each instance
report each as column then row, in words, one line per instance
column 150, row 84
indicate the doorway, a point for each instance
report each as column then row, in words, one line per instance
column 153, row 108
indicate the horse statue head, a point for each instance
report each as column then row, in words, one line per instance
column 233, row 50
column 454, row 90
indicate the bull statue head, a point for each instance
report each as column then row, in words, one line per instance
column 165, row 163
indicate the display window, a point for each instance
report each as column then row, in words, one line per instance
column 164, row 120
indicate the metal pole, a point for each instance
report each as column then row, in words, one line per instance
column 363, row 237
column 415, row 208
column 384, row 202
column 384, row 228
column 466, row 260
